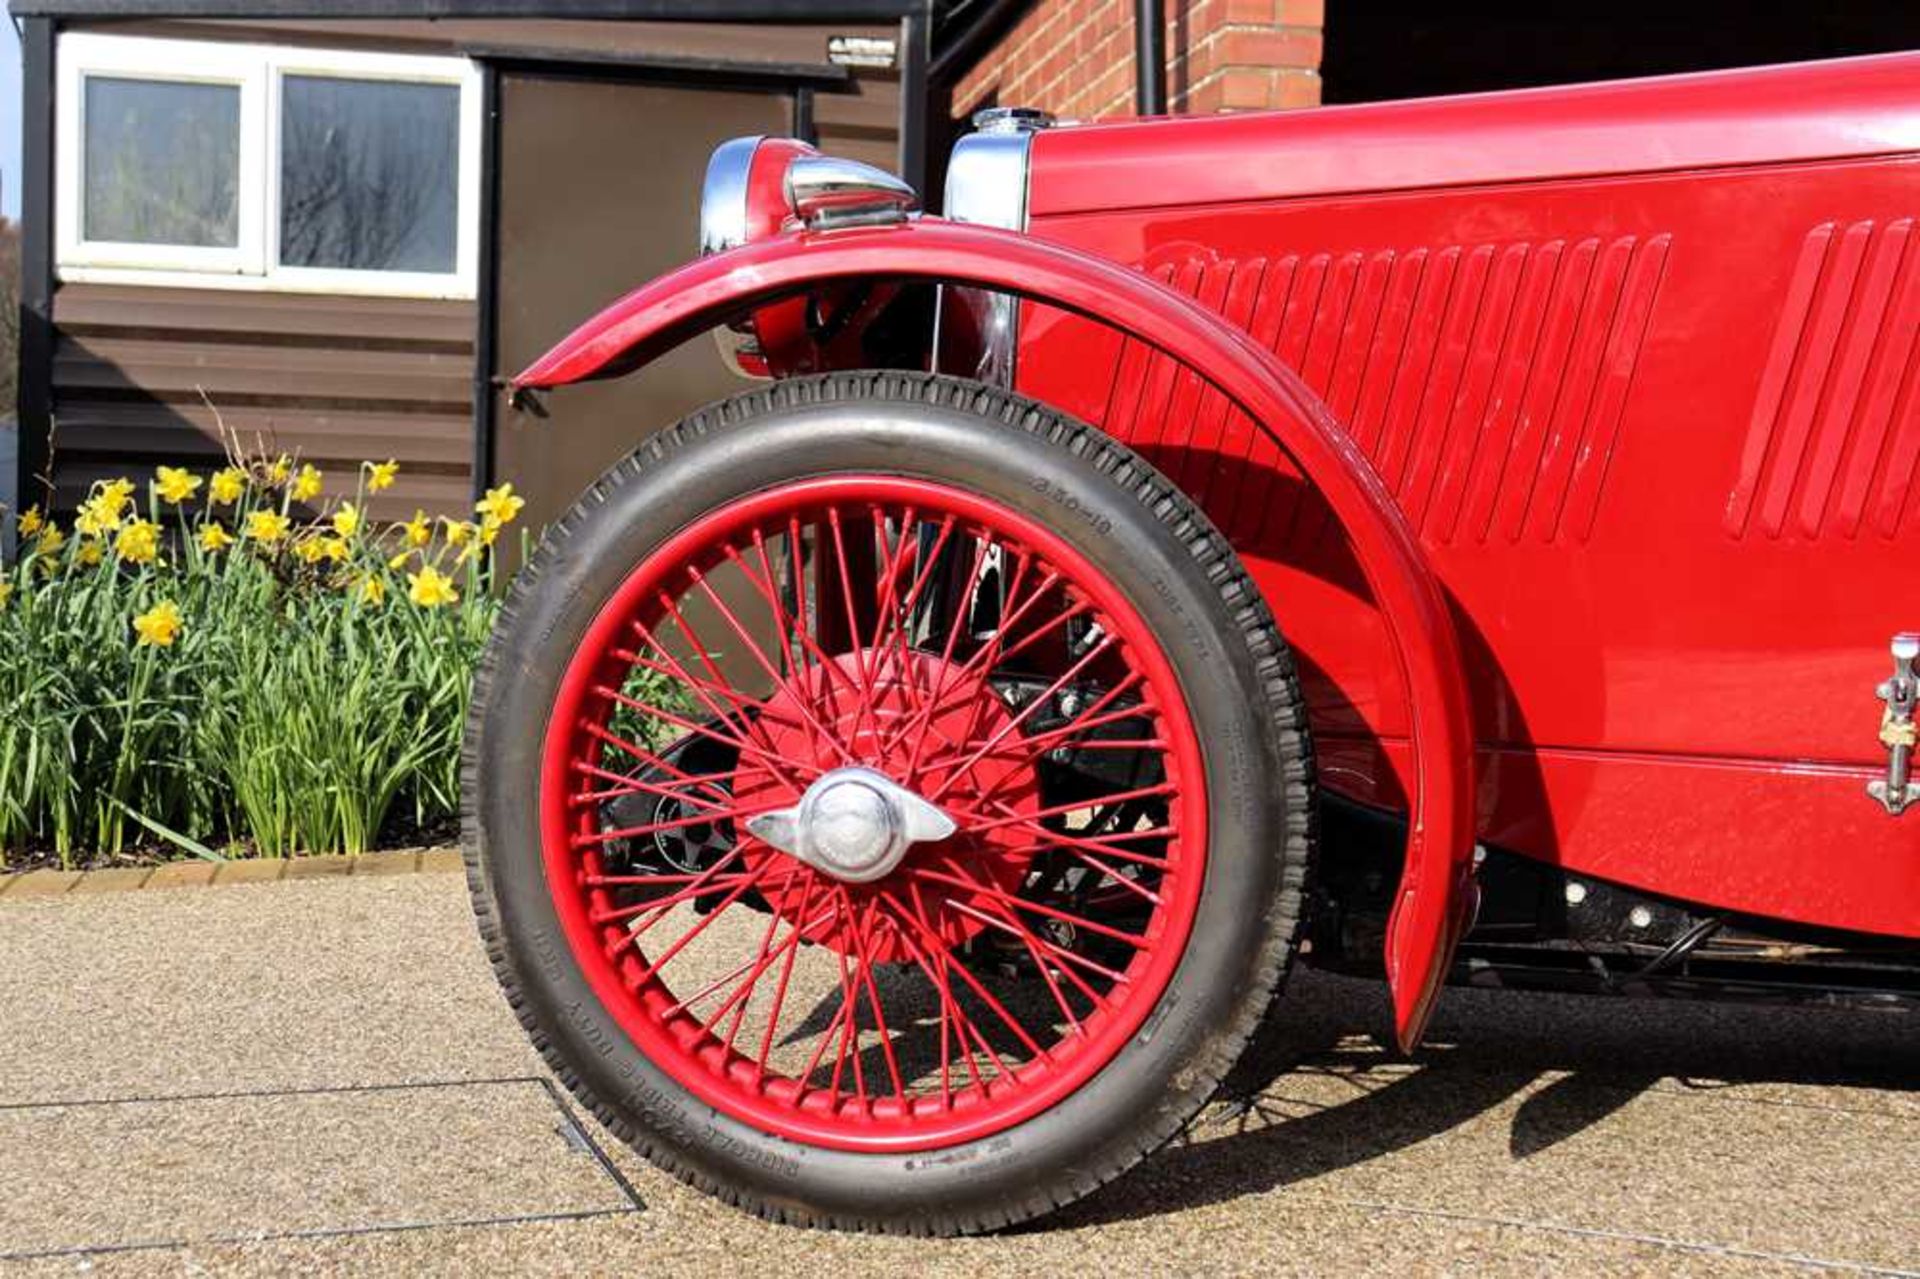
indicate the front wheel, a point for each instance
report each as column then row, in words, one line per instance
column 888, row 804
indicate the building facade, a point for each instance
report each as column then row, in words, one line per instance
column 252, row 225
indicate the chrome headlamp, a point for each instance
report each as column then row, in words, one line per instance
column 757, row 187
column 987, row 185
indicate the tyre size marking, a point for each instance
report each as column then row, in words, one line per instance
column 1064, row 498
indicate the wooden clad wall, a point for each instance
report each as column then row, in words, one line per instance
column 863, row 122
column 147, row 375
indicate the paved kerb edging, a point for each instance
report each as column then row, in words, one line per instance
column 35, row 884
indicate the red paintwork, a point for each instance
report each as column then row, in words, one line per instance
column 1850, row 107
column 1640, row 364
column 1412, row 628
column 800, row 734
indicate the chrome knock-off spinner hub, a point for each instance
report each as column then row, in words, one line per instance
column 853, row 824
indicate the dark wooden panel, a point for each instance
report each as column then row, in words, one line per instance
column 629, row 190
column 883, row 153
column 173, row 370
column 192, row 430
column 235, row 315
column 871, row 106
column 146, row 375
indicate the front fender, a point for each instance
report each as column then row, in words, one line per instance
column 1429, row 907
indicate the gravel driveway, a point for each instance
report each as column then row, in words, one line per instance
column 320, row 1076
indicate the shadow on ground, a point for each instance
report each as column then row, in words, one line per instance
column 1349, row 1098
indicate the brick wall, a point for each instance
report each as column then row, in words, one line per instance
column 1075, row 58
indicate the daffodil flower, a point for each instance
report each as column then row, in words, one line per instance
column 160, row 625
column 105, row 510
column 459, row 532
column 346, row 520
column 500, row 504
column 214, row 539
column 6, row 592
column 228, row 486
column 138, row 542
column 30, row 521
column 371, row 591
column 89, row 552
column 266, row 527
column 51, row 539
column 430, row 588
column 380, row 475
column 175, row 485
column 419, row 529
column 278, row 472
column 306, row 484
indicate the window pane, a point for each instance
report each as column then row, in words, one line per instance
column 162, row 162
column 369, row 174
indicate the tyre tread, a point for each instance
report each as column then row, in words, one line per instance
column 1278, row 686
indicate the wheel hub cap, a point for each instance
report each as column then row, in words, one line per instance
column 853, row 824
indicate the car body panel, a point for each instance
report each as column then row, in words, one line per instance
column 1413, row 616
column 1843, row 108
column 1641, row 366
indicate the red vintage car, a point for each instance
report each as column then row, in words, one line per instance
column 1458, row 539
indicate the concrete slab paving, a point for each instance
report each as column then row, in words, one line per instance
column 139, row 1173
column 1535, row 1134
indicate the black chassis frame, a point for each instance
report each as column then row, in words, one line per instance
column 1541, row 927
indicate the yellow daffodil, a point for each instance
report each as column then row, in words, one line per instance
column 214, row 539
column 306, row 484
column 500, row 504
column 51, row 539
column 6, row 593
column 334, row 548
column 91, row 521
column 105, row 510
column 160, row 625
column 419, row 529
column 400, row 560
column 490, row 529
column 228, row 486
column 89, row 552
column 138, row 542
column 30, row 521
column 266, row 527
column 309, row 550
column 346, row 520
column 430, row 588
column 281, row 468
column 371, row 591
column 380, row 475
column 175, row 485
column 459, row 532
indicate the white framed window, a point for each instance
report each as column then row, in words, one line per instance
column 266, row 167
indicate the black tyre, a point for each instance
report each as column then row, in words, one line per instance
column 888, row 804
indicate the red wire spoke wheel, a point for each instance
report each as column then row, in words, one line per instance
column 911, row 697
column 889, row 804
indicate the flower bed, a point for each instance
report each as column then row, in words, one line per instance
column 225, row 667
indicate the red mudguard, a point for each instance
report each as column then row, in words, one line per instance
column 1435, row 889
